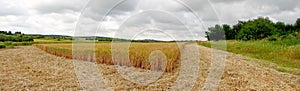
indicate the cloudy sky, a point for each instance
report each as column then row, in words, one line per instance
column 137, row 19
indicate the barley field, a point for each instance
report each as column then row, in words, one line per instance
column 137, row 54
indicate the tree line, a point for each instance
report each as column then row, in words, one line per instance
column 256, row 29
column 14, row 37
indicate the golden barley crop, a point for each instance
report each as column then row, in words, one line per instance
column 154, row 56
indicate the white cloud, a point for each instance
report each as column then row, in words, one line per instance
column 61, row 17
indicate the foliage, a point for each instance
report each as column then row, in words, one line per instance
column 215, row 33
column 255, row 29
column 2, row 46
column 15, row 38
column 280, row 28
column 237, row 28
column 272, row 38
column 229, row 32
column 9, row 44
column 22, row 43
column 297, row 24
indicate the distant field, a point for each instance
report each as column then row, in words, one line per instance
column 45, row 41
column 284, row 53
column 138, row 54
column 10, row 44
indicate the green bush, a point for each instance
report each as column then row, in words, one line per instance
column 2, row 46
column 7, row 43
column 22, row 43
column 272, row 38
column 11, row 46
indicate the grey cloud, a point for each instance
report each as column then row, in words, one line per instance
column 11, row 11
column 282, row 5
column 139, row 12
column 150, row 17
column 226, row 1
column 202, row 8
column 248, row 9
column 166, row 23
column 98, row 9
column 60, row 6
column 9, row 8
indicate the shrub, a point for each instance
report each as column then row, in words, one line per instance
column 2, row 46
column 22, row 44
column 11, row 46
column 272, row 38
column 7, row 43
column 256, row 29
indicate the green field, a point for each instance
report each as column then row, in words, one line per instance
column 285, row 53
column 47, row 41
column 10, row 44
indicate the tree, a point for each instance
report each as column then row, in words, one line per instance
column 280, row 28
column 9, row 33
column 297, row 24
column 290, row 28
column 256, row 29
column 237, row 28
column 2, row 38
column 18, row 33
column 229, row 32
column 3, row 32
column 215, row 33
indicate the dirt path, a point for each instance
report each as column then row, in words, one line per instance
column 33, row 69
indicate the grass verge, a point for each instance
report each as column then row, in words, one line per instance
column 285, row 53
